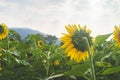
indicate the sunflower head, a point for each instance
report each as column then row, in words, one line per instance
column 116, row 35
column 39, row 43
column 77, row 39
column 74, row 42
column 0, row 68
column 56, row 62
column 3, row 31
column 0, row 54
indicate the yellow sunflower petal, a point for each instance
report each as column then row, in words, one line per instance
column 65, row 39
column 116, row 35
column 69, row 48
column 65, row 45
column 79, row 58
column 67, row 35
column 73, row 54
column 70, row 52
column 74, row 27
column 69, row 30
column 73, row 44
column 84, row 27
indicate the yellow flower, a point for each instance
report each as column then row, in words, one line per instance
column 56, row 62
column 39, row 43
column 0, row 54
column 12, row 49
column 116, row 35
column 3, row 31
column 0, row 68
column 74, row 43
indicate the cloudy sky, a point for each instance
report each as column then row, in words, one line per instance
column 50, row 16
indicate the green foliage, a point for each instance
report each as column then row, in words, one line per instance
column 23, row 59
column 101, row 38
column 111, row 70
column 79, row 70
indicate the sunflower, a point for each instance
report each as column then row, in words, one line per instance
column 74, row 43
column 0, row 54
column 116, row 35
column 56, row 62
column 0, row 68
column 3, row 31
column 39, row 43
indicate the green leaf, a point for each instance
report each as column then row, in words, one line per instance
column 111, row 70
column 103, row 64
column 24, row 62
column 101, row 38
column 78, row 70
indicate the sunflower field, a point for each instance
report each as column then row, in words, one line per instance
column 78, row 55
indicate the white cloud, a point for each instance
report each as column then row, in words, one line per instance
column 50, row 16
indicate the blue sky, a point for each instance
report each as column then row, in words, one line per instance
column 50, row 16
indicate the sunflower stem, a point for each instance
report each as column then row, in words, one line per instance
column 91, row 60
column 8, row 43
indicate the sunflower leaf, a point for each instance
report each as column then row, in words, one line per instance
column 111, row 70
column 101, row 38
column 78, row 70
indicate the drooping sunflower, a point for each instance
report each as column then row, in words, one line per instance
column 116, row 35
column 74, row 43
column 3, row 31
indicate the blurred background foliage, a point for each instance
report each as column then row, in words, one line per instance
column 39, row 57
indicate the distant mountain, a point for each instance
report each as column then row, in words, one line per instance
column 25, row 31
